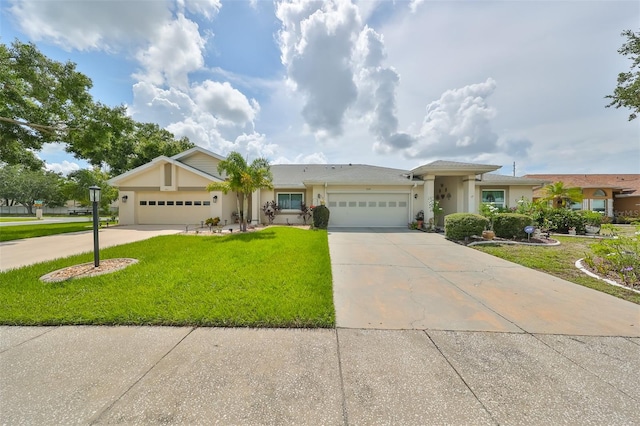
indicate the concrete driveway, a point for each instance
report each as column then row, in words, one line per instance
column 14, row 254
column 402, row 279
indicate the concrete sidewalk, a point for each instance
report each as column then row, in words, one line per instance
column 14, row 254
column 179, row 376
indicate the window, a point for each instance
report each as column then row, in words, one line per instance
column 290, row 201
column 179, row 203
column 392, row 203
column 188, row 203
column 362, row 204
column 206, row 203
column 169, row 203
column 161, row 203
column 197, row 203
column 382, row 204
column 599, row 193
column 493, row 196
column 342, row 204
column 152, row 203
column 599, row 206
column 352, row 203
column 143, row 203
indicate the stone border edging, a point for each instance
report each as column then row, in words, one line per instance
column 606, row 280
column 475, row 243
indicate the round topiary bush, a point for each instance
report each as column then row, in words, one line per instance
column 511, row 225
column 320, row 217
column 458, row 226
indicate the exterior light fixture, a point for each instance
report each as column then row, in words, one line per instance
column 94, row 197
column 125, row 198
column 415, row 196
column 215, row 198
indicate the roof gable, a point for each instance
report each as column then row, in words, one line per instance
column 157, row 162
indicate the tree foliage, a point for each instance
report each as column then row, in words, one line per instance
column 39, row 98
column 22, row 185
column 243, row 179
column 42, row 101
column 562, row 196
column 77, row 186
column 627, row 92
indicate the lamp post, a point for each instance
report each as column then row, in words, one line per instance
column 94, row 197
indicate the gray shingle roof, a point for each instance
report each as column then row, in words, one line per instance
column 294, row 175
column 495, row 179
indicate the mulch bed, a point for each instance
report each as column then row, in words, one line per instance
column 87, row 270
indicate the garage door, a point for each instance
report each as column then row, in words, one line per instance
column 173, row 208
column 368, row 209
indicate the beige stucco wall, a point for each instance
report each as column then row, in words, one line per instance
column 628, row 206
column 185, row 178
column 126, row 210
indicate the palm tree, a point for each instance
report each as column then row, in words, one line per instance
column 562, row 196
column 243, row 179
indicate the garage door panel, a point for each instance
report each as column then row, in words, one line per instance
column 368, row 209
column 172, row 208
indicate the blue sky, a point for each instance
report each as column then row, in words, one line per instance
column 389, row 83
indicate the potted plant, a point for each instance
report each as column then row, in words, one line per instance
column 420, row 218
column 593, row 221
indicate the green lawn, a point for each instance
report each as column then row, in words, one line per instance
column 18, row 232
column 17, row 219
column 559, row 261
column 277, row 277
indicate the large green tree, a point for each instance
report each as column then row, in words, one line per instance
column 39, row 99
column 77, row 186
column 42, row 101
column 627, row 92
column 243, row 179
column 23, row 185
column 562, row 196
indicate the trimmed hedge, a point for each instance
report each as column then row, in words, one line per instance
column 458, row 226
column 320, row 217
column 511, row 225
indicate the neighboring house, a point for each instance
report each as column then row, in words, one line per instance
column 613, row 195
column 171, row 190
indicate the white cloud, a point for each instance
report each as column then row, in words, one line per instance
column 337, row 63
column 225, row 102
column 65, row 167
column 459, row 125
column 90, row 25
column 414, row 4
column 207, row 8
column 173, row 52
column 316, row 42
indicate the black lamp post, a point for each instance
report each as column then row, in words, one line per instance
column 94, row 197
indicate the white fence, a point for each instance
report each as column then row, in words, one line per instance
column 12, row 210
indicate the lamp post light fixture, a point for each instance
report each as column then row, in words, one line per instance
column 94, row 197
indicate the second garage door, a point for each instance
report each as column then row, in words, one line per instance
column 368, row 209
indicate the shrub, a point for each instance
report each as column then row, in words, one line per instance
column 592, row 218
column 560, row 220
column 212, row 221
column 511, row 225
column 458, row 226
column 321, row 217
column 270, row 209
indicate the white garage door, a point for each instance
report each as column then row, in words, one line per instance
column 173, row 208
column 368, row 209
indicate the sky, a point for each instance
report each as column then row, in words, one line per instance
column 389, row 83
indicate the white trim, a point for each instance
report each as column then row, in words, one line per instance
column 578, row 265
column 504, row 197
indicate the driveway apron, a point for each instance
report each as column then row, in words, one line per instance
column 401, row 279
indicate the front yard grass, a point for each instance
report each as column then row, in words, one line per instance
column 17, row 219
column 18, row 232
column 277, row 277
column 558, row 261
